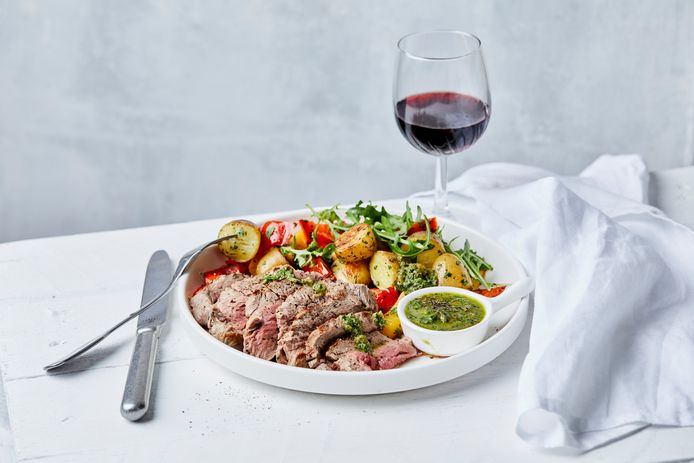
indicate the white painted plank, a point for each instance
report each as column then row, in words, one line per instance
column 202, row 411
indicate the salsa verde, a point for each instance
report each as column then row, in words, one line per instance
column 444, row 311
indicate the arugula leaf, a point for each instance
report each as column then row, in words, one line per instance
column 304, row 257
column 390, row 229
column 331, row 218
column 473, row 262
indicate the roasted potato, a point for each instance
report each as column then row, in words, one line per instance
column 451, row 272
column 384, row 267
column 244, row 242
column 427, row 258
column 357, row 243
column 392, row 328
column 272, row 259
column 352, row 272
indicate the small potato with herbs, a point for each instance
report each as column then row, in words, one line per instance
column 352, row 272
column 384, row 267
column 357, row 243
column 272, row 259
column 427, row 258
column 244, row 240
column 451, row 272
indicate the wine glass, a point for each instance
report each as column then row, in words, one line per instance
column 441, row 100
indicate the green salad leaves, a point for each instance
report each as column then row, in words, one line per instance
column 393, row 231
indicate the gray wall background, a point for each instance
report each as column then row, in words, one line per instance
column 130, row 113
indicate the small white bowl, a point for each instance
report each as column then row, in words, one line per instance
column 447, row 343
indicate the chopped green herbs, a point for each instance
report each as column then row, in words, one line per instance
column 361, row 342
column 320, row 288
column 379, row 320
column 352, row 324
column 412, row 277
column 444, row 311
column 286, row 274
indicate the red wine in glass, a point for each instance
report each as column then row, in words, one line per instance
column 441, row 122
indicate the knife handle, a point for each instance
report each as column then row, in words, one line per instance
column 138, row 385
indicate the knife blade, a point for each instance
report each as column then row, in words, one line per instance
column 138, row 385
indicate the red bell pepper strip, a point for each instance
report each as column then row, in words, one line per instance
column 492, row 292
column 323, row 235
column 226, row 269
column 386, row 298
column 319, row 266
column 276, row 233
column 419, row 226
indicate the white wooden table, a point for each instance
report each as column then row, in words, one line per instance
column 55, row 293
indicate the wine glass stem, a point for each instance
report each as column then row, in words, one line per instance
column 441, row 186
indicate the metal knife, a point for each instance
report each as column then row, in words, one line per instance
column 138, row 385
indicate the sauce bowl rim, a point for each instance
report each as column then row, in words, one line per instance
column 402, row 303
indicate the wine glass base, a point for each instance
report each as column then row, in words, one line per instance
column 461, row 208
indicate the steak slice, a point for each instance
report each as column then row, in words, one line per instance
column 307, row 309
column 343, row 356
column 394, row 352
column 387, row 354
column 214, row 289
column 355, row 361
column 322, row 337
column 260, row 333
column 202, row 302
column 225, row 331
column 201, row 307
column 228, row 317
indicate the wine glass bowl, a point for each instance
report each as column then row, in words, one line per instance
column 441, row 98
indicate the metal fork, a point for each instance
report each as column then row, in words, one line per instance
column 183, row 264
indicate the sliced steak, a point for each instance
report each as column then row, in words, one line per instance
column 225, row 331
column 201, row 307
column 202, row 302
column 345, row 345
column 223, row 282
column 343, row 356
column 260, row 330
column 394, row 352
column 260, row 333
column 228, row 317
column 311, row 309
column 388, row 353
column 324, row 335
column 355, row 361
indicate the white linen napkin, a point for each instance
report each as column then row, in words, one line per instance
column 612, row 336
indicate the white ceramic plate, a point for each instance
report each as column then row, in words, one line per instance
column 420, row 372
